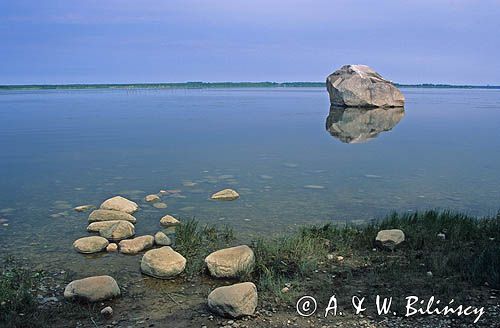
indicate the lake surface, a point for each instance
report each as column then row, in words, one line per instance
column 64, row 148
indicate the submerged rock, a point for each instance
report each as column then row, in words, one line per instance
column 390, row 238
column 234, row 301
column 230, row 262
column 314, row 187
column 361, row 86
column 136, row 245
column 163, row 263
column 160, row 205
column 152, row 198
column 92, row 289
column 89, row 245
column 119, row 203
column 169, row 220
column 226, row 194
column 83, row 208
column 162, row 239
column 110, row 215
column 118, row 231
column 355, row 125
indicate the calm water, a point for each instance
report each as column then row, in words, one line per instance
column 61, row 149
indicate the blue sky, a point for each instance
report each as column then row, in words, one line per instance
column 122, row 41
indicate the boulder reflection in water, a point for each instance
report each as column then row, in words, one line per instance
column 355, row 125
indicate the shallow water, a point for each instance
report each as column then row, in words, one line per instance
column 63, row 148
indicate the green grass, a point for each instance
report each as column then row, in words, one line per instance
column 469, row 256
column 19, row 286
column 466, row 261
column 17, row 292
column 195, row 242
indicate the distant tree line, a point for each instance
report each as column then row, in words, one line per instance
column 215, row 85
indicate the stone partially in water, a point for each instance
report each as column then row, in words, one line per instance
column 230, row 262
column 163, row 263
column 355, row 125
column 361, row 86
column 234, row 301
column 99, row 225
column 226, row 194
column 112, row 247
column 92, row 289
column 160, row 205
column 89, row 245
column 390, row 238
column 152, row 198
column 83, row 208
column 110, row 215
column 118, row 231
column 168, row 221
column 162, row 239
column 136, row 245
column 314, row 187
column 119, row 203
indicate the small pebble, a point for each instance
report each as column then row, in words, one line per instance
column 107, row 311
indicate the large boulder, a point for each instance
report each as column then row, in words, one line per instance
column 230, row 262
column 136, row 245
column 89, row 245
column 234, row 301
column 163, row 263
column 361, row 86
column 92, row 289
column 355, row 125
column 110, row 215
column 119, row 203
column 118, row 231
column 226, row 194
column 390, row 238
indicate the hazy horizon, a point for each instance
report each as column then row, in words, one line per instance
column 124, row 41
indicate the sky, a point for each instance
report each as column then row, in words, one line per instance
column 130, row 41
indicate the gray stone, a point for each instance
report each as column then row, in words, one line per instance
column 361, row 86
column 83, row 208
column 390, row 238
column 168, row 221
column 92, row 289
column 152, row 198
column 226, row 194
column 136, row 245
column 100, row 225
column 230, row 262
column 89, row 245
column 234, row 301
column 118, row 231
column 162, row 239
column 163, row 263
column 119, row 203
column 110, row 215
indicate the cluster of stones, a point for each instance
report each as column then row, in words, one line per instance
column 114, row 222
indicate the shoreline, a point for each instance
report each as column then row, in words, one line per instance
column 446, row 255
column 219, row 85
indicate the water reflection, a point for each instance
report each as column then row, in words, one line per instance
column 354, row 125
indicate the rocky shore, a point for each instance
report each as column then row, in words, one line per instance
column 213, row 281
